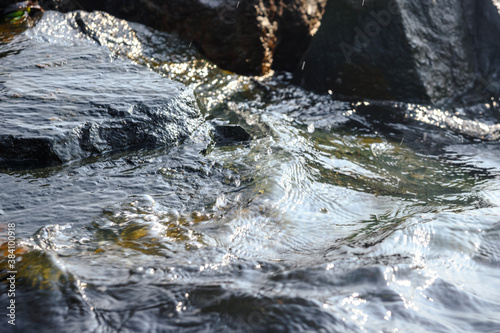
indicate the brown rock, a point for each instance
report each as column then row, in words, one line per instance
column 240, row 36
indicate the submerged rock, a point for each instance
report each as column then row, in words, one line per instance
column 438, row 52
column 65, row 95
column 240, row 36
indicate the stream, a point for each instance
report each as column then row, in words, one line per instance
column 335, row 217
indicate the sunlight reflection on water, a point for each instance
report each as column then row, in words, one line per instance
column 344, row 228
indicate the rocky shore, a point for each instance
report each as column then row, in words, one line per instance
column 441, row 53
column 246, row 37
column 64, row 97
column 60, row 108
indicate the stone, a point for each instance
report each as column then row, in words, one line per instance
column 66, row 95
column 226, row 134
column 483, row 23
column 433, row 52
column 298, row 22
column 247, row 37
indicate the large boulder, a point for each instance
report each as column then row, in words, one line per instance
column 65, row 95
column 438, row 52
column 241, row 36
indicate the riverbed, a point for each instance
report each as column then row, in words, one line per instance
column 336, row 216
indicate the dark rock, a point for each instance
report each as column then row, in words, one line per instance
column 61, row 5
column 240, row 36
column 483, row 23
column 65, row 97
column 297, row 24
column 5, row 3
column 230, row 134
column 410, row 50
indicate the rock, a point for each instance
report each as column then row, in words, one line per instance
column 5, row 3
column 65, row 97
column 299, row 20
column 240, row 36
column 483, row 23
column 435, row 52
column 226, row 134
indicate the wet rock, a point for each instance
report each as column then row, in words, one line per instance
column 439, row 52
column 297, row 24
column 230, row 134
column 240, row 36
column 483, row 23
column 65, row 95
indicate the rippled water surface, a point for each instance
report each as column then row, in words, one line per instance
column 335, row 217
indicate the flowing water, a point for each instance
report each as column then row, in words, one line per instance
column 335, row 217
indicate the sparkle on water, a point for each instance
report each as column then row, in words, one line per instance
column 329, row 220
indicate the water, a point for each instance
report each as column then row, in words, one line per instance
column 336, row 217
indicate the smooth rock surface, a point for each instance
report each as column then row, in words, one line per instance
column 241, row 36
column 437, row 52
column 65, row 97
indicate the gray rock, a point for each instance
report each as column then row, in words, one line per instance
column 241, row 36
column 65, row 95
column 439, row 52
column 483, row 23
